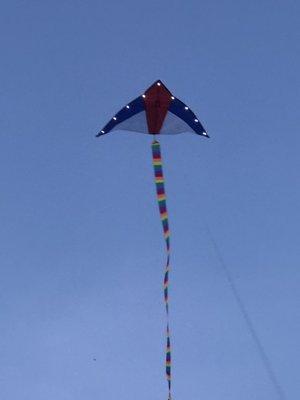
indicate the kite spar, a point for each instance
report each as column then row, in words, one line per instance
column 158, row 112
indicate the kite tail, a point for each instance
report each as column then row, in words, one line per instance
column 162, row 204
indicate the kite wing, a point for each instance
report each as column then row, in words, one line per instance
column 157, row 111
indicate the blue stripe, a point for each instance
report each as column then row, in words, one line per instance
column 136, row 106
column 177, row 107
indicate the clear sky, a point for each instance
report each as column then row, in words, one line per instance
column 82, row 252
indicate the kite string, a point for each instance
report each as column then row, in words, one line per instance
column 248, row 321
column 162, row 205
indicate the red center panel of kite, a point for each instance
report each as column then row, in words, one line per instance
column 157, row 103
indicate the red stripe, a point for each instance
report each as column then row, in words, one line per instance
column 157, row 102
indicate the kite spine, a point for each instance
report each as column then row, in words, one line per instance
column 162, row 205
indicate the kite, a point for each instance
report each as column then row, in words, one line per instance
column 155, row 112
column 158, row 112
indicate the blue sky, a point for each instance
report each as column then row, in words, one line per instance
column 82, row 253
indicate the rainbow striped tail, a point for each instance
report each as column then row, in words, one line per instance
column 162, row 204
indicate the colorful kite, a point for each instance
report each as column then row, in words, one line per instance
column 158, row 112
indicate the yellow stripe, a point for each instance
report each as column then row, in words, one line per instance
column 161, row 197
column 164, row 215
